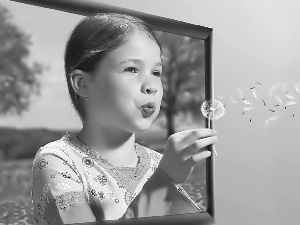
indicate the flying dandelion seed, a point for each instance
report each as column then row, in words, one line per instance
column 240, row 93
column 276, row 87
column 271, row 110
column 279, row 100
column 258, row 83
column 213, row 110
column 275, row 105
column 252, row 88
column 272, row 89
column 291, row 103
column 285, row 86
column 248, row 108
column 247, row 102
column 264, row 102
column 270, row 119
column 290, row 96
column 232, row 100
column 297, row 87
column 254, row 94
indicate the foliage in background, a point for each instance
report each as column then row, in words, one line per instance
column 183, row 77
column 24, row 143
column 18, row 81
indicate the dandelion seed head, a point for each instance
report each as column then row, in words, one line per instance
column 212, row 109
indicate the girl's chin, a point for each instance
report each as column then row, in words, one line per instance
column 140, row 123
column 144, row 124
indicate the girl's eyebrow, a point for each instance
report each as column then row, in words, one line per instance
column 138, row 61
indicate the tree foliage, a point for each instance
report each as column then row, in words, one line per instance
column 18, row 80
column 183, row 76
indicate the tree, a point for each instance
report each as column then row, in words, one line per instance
column 18, row 81
column 183, row 77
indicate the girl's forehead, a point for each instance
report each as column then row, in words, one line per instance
column 140, row 34
column 137, row 45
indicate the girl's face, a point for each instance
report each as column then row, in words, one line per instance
column 121, row 87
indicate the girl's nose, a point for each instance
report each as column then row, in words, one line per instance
column 149, row 86
column 150, row 89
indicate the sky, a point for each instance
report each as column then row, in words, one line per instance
column 49, row 30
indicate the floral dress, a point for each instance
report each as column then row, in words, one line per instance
column 74, row 184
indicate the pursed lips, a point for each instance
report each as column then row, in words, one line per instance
column 148, row 109
column 149, row 105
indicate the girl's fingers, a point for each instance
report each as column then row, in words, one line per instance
column 195, row 134
column 197, row 145
column 194, row 159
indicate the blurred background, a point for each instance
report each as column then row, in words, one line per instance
column 35, row 107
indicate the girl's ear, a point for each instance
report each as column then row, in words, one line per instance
column 81, row 83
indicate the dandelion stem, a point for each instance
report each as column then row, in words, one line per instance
column 209, row 128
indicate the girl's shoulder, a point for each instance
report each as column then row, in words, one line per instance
column 55, row 154
column 56, row 148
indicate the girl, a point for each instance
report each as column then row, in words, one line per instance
column 113, row 70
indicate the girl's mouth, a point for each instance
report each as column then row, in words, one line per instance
column 147, row 109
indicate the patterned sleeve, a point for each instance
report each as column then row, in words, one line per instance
column 58, row 195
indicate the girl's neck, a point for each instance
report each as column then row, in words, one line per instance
column 115, row 145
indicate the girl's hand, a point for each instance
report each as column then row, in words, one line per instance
column 183, row 151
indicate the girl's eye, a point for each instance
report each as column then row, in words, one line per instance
column 130, row 69
column 158, row 74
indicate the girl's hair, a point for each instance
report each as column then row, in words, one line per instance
column 94, row 37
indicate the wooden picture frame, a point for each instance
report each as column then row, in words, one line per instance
column 87, row 7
